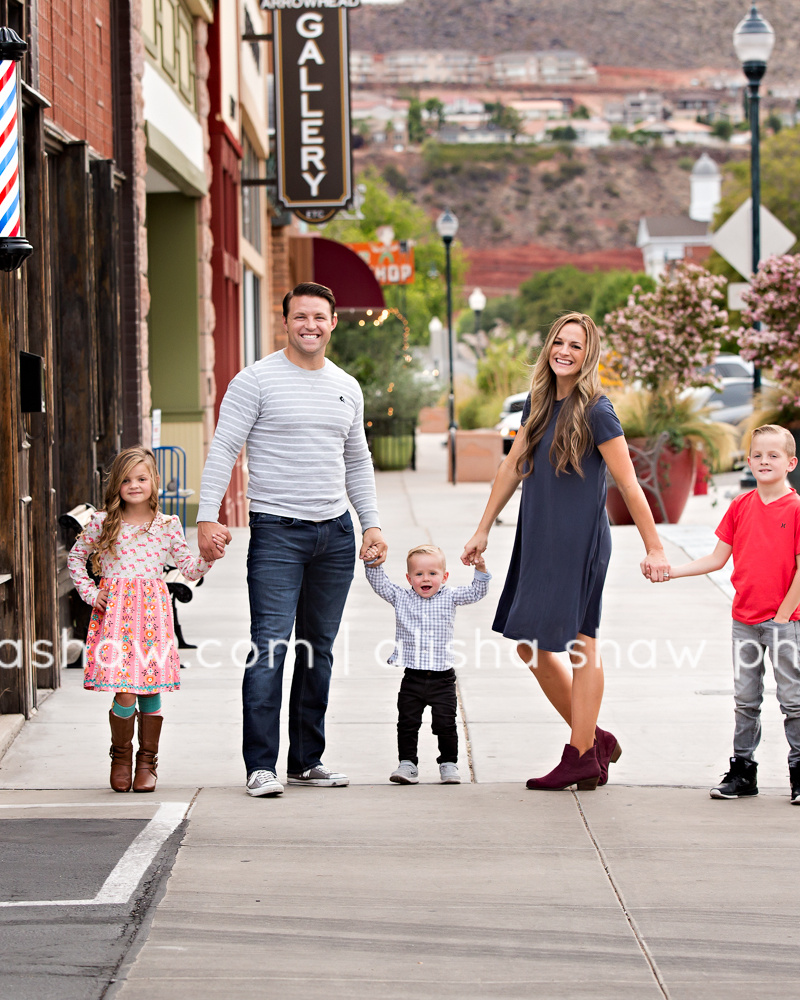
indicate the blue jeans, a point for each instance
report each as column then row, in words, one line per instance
column 298, row 575
column 750, row 643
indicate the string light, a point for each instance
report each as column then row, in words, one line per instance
column 407, row 357
column 392, row 311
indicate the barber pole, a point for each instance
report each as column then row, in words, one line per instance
column 9, row 150
column 14, row 249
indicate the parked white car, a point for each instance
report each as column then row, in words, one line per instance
column 511, row 418
column 730, row 404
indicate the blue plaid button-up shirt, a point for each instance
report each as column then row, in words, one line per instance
column 424, row 625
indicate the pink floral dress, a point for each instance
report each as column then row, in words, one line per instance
column 131, row 647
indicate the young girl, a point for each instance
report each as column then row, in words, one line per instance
column 553, row 593
column 130, row 647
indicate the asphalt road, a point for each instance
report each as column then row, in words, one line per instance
column 58, row 944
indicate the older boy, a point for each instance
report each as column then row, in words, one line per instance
column 762, row 531
column 424, row 617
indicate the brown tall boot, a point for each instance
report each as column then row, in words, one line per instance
column 121, row 751
column 147, row 755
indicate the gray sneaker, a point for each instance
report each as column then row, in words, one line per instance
column 319, row 776
column 448, row 772
column 405, row 773
column 263, row 783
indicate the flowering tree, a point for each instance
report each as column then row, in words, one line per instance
column 773, row 300
column 665, row 337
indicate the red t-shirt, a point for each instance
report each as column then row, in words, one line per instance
column 765, row 538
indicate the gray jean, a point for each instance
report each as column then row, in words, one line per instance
column 750, row 643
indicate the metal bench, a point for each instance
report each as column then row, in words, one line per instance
column 173, row 492
column 645, row 462
column 77, row 518
column 181, row 591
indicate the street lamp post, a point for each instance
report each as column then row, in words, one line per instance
column 447, row 227
column 477, row 303
column 753, row 41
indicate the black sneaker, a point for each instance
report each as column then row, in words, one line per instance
column 794, row 778
column 740, row 780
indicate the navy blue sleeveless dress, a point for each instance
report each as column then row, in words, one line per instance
column 554, row 587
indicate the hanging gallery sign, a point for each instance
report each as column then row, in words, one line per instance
column 312, row 107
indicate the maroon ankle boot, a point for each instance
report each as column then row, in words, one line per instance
column 608, row 752
column 578, row 769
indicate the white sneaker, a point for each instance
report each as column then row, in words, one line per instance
column 448, row 772
column 319, row 776
column 405, row 773
column 263, row 783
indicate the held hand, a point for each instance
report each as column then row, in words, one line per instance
column 479, row 564
column 210, row 538
column 475, row 548
column 373, row 547
column 655, row 566
column 101, row 603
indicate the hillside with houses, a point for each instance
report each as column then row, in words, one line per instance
column 535, row 209
column 681, row 34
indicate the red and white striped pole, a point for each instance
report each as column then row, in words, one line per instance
column 14, row 248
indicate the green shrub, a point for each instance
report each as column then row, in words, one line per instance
column 479, row 411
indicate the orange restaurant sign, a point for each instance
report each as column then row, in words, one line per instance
column 392, row 264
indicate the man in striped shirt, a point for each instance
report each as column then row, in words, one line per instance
column 302, row 419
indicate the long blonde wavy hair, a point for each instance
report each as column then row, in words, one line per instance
column 113, row 503
column 573, row 436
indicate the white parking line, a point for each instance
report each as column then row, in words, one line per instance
column 128, row 871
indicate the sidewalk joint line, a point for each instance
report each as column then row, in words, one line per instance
column 467, row 740
column 623, row 906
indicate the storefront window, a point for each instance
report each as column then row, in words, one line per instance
column 251, row 195
column 251, row 290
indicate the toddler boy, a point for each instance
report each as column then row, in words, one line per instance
column 762, row 530
column 424, row 619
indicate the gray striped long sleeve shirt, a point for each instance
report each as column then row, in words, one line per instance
column 306, row 448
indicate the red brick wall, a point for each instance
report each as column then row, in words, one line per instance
column 75, row 68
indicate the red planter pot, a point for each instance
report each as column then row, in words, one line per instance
column 676, row 476
column 703, row 477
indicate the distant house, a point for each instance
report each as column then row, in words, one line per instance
column 378, row 113
column 456, row 134
column 694, row 103
column 515, row 67
column 666, row 239
column 564, row 66
column 538, row 109
column 463, row 107
column 365, row 67
column 434, row 66
column 676, row 131
column 635, row 108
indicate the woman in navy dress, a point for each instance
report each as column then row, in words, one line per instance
column 552, row 597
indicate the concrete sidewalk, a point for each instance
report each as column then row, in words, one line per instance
column 646, row 888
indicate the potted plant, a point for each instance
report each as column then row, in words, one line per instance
column 661, row 342
column 379, row 357
column 770, row 338
column 670, row 435
column 392, row 401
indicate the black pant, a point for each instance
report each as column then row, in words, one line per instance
column 419, row 688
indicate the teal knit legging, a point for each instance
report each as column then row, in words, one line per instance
column 149, row 704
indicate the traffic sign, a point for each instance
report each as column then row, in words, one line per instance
column 733, row 241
